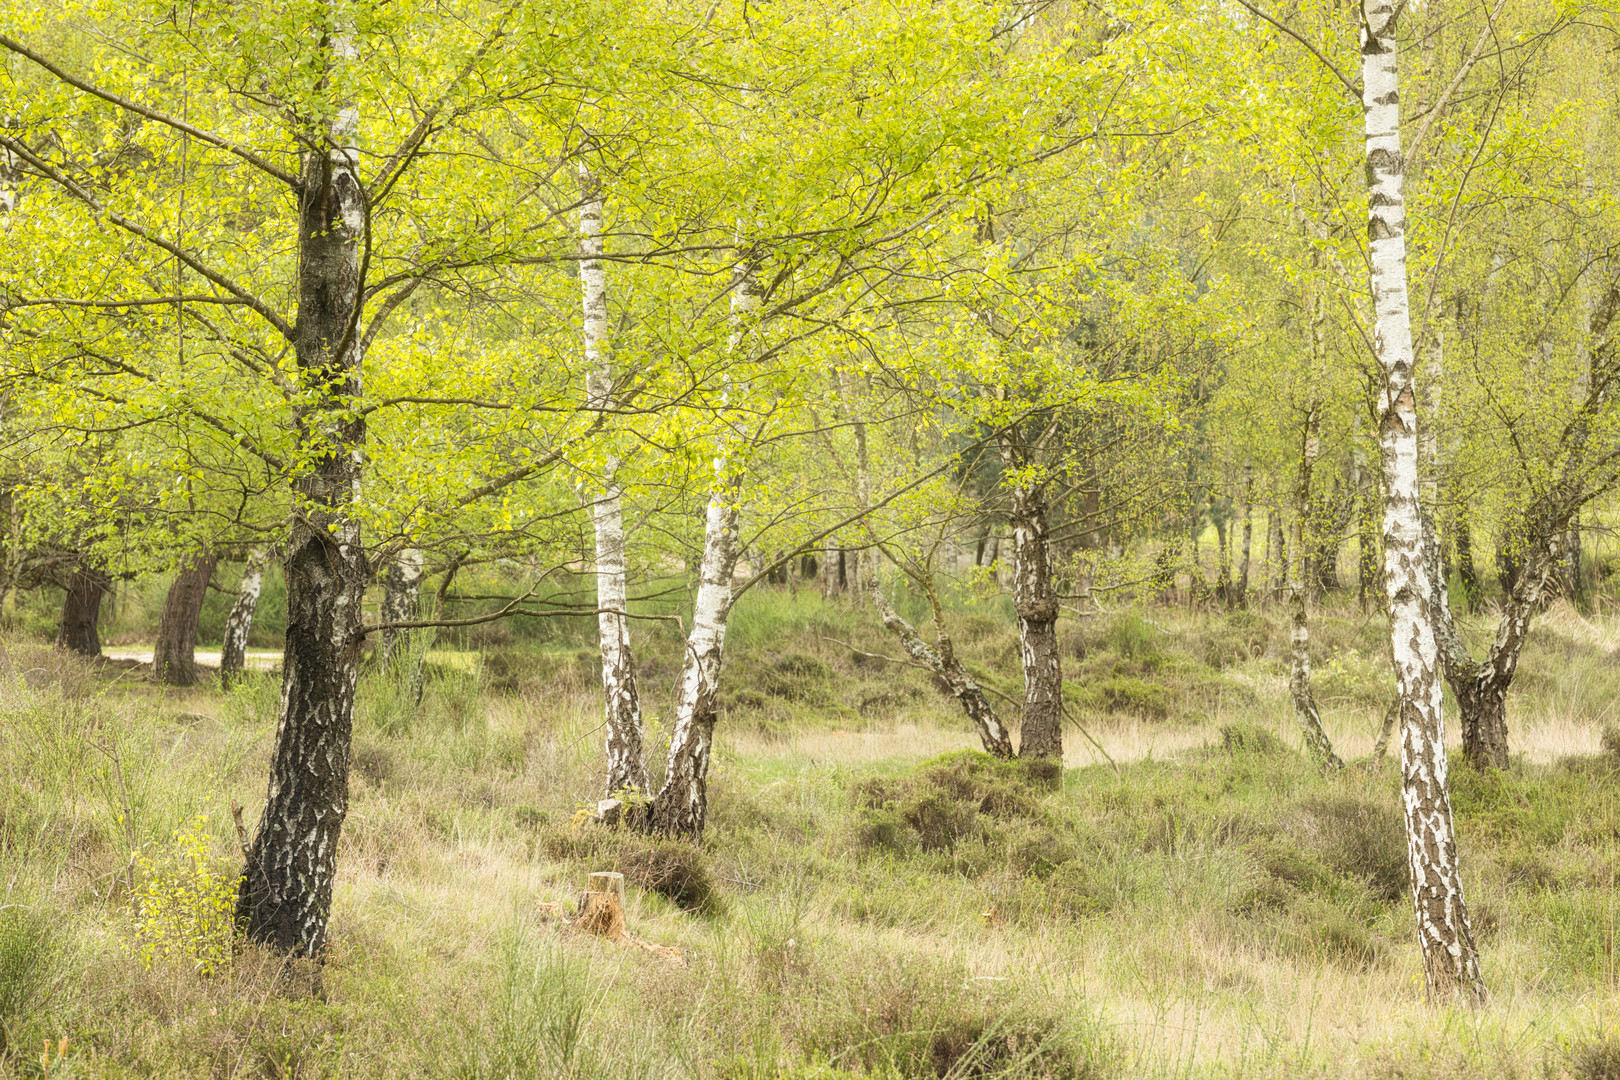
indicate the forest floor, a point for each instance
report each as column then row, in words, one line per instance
column 871, row 896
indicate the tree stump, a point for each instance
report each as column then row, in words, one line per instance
column 603, row 911
column 602, row 915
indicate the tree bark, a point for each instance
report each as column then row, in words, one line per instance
column 1481, row 686
column 1309, row 719
column 401, row 602
column 174, row 655
column 1450, row 956
column 81, row 610
column 1467, row 572
column 626, row 766
column 1041, row 729
column 1242, row 598
column 239, row 623
column 1278, row 550
column 944, row 663
column 681, row 805
column 286, row 893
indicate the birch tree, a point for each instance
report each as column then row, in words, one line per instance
column 239, row 622
column 626, row 768
column 1450, row 956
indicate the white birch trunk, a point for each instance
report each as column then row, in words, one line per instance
column 626, row 765
column 402, row 601
column 239, row 623
column 681, row 805
column 1450, row 957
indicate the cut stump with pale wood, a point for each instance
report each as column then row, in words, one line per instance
column 601, row 914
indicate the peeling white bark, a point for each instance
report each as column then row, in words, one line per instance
column 239, row 623
column 402, row 599
column 624, row 755
column 1450, row 957
column 681, row 806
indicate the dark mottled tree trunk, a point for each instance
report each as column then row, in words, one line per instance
column 239, row 623
column 174, row 655
column 286, row 894
column 81, row 611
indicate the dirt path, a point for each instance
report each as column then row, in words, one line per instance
column 257, row 659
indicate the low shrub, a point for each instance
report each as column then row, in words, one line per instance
column 1250, row 739
column 675, row 870
column 1240, row 636
column 1595, row 1059
column 185, row 905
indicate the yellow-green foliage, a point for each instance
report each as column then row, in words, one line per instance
column 184, row 906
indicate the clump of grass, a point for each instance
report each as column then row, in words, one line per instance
column 677, row 871
column 30, row 962
column 1237, row 637
column 1596, row 1059
column 1250, row 739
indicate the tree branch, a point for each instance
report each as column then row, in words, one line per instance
column 153, row 114
column 1355, row 91
column 73, row 188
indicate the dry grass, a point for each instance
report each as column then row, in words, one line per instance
column 827, row 957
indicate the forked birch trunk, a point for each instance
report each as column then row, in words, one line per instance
column 239, row 623
column 1450, row 957
column 681, row 806
column 286, row 893
column 174, row 654
column 1317, row 742
column 1481, row 686
column 626, row 766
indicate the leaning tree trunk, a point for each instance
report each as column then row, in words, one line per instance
column 286, row 893
column 1041, row 730
column 81, row 610
column 626, row 767
column 174, row 656
column 1299, row 676
column 682, row 804
column 239, row 623
column 943, row 662
column 1450, row 957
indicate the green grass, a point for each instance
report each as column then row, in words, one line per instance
column 872, row 898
